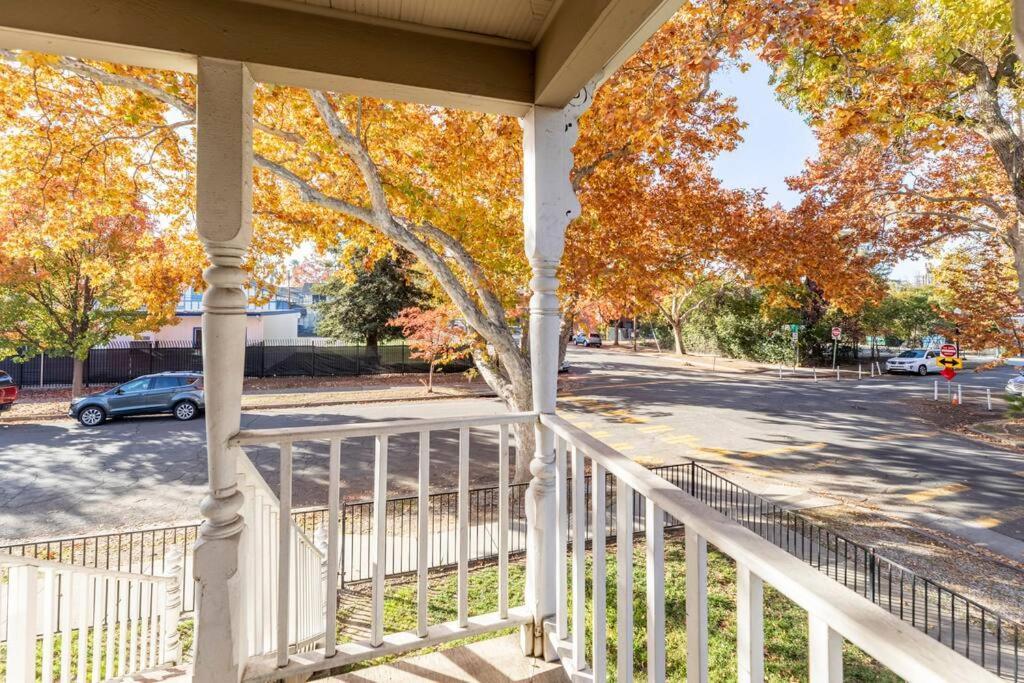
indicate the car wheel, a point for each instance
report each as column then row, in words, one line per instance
column 923, row 370
column 91, row 416
column 185, row 410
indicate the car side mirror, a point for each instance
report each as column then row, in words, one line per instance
column 119, row 392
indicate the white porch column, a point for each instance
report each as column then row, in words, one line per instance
column 549, row 204
column 224, row 208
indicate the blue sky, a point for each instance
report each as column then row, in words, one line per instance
column 776, row 142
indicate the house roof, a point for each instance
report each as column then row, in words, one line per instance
column 487, row 55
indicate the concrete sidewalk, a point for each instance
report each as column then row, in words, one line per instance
column 291, row 397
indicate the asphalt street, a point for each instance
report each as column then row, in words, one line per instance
column 849, row 441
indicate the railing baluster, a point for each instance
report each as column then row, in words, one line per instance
column 333, row 504
column 122, row 622
column 503, row 521
column 562, row 541
column 21, row 624
column 826, row 652
column 624, row 580
column 696, row 607
column 377, row 568
column 111, row 612
column 598, row 573
column 284, row 546
column 654, row 522
column 579, row 592
column 749, row 625
column 49, row 623
column 67, row 581
column 422, row 533
column 463, row 504
column 82, row 595
column 97, row 626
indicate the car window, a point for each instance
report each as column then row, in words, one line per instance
column 931, row 354
column 166, row 382
column 135, row 385
column 5, row 379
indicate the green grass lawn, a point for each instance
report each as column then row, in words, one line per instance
column 785, row 631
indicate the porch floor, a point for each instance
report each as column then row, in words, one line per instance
column 495, row 660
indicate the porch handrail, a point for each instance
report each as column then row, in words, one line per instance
column 120, row 622
column 834, row 612
column 250, row 437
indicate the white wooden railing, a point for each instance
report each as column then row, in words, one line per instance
column 69, row 623
column 283, row 662
column 834, row 613
column 281, row 578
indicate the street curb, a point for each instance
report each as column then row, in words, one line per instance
column 315, row 404
column 1000, row 439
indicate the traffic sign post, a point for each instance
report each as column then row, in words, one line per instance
column 837, row 332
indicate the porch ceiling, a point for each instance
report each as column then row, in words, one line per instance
column 488, row 55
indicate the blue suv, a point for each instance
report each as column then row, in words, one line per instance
column 177, row 393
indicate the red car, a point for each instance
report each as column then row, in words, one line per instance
column 8, row 391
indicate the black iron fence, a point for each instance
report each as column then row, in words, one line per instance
column 951, row 618
column 283, row 358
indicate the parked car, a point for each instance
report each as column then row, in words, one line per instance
column 587, row 340
column 177, row 393
column 920, row 361
column 8, row 391
column 1016, row 385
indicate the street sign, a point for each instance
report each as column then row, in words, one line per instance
column 837, row 332
column 794, row 328
column 951, row 363
column 948, row 373
column 948, row 351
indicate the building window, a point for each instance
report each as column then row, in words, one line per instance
column 197, row 337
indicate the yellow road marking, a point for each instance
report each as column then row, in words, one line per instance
column 599, row 434
column 937, row 492
column 897, row 437
column 623, row 446
column 681, row 439
column 654, row 429
column 999, row 517
column 782, row 450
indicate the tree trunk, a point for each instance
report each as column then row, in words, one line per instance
column 564, row 337
column 372, row 346
column 616, row 342
column 518, row 396
column 78, row 378
column 430, row 378
column 634, row 333
column 677, row 336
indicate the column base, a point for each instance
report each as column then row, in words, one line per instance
column 220, row 648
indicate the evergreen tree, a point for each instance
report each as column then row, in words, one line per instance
column 359, row 304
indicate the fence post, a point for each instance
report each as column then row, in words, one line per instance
column 263, row 358
column 815, row 370
column 172, row 608
column 860, row 371
column 936, row 396
column 959, row 394
column 872, row 569
column 312, row 349
column 42, row 367
column 837, row 374
column 988, row 396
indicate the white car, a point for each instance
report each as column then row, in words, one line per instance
column 1016, row 385
column 919, row 361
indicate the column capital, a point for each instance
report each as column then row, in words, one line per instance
column 549, row 201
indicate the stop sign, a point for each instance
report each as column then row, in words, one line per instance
column 948, row 351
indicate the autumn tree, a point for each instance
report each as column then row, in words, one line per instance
column 917, row 104
column 433, row 335
column 71, row 279
column 974, row 291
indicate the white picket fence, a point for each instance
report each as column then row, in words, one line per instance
column 69, row 623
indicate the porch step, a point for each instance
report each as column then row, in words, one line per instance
column 182, row 673
column 496, row 660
